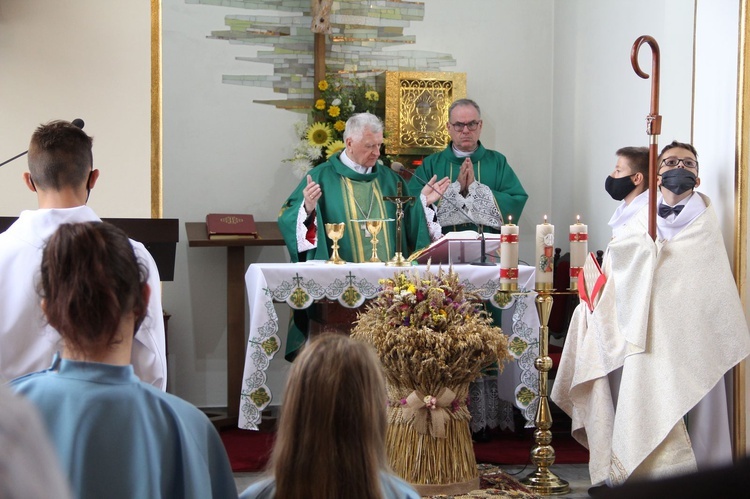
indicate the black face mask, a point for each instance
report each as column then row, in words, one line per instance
column 618, row 188
column 678, row 180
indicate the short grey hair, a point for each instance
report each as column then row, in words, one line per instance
column 358, row 123
column 464, row 102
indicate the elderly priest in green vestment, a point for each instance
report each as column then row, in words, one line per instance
column 349, row 188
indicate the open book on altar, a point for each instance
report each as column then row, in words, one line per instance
column 457, row 247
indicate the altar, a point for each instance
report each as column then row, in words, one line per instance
column 301, row 284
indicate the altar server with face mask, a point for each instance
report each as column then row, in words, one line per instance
column 668, row 412
column 628, row 183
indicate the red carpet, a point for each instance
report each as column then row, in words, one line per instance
column 249, row 450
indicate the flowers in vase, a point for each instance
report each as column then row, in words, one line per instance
column 323, row 134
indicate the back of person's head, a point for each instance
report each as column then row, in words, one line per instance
column 91, row 278
column 358, row 123
column 331, row 436
column 637, row 159
column 59, row 156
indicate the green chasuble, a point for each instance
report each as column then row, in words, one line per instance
column 490, row 169
column 349, row 196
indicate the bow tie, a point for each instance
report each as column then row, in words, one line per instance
column 665, row 211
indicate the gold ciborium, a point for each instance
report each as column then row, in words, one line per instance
column 373, row 227
column 335, row 232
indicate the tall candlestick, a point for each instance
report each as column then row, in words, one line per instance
column 579, row 248
column 509, row 256
column 545, row 242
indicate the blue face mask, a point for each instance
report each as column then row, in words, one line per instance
column 678, row 180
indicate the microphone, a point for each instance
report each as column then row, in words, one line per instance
column 399, row 167
column 77, row 122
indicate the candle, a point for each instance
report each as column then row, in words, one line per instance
column 509, row 256
column 545, row 241
column 579, row 248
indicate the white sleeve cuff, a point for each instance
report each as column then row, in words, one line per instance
column 302, row 243
column 434, row 228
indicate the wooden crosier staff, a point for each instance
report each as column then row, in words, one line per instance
column 653, row 122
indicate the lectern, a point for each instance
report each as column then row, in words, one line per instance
column 158, row 235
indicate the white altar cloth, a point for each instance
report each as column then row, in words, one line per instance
column 300, row 284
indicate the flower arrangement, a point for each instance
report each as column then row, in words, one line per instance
column 322, row 135
column 431, row 330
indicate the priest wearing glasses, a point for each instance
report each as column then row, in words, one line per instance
column 484, row 188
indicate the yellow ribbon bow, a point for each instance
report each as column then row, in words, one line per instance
column 420, row 406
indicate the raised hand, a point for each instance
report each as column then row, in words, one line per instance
column 435, row 189
column 312, row 192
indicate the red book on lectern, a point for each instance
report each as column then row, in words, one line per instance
column 230, row 226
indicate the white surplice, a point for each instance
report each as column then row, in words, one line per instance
column 670, row 318
column 27, row 343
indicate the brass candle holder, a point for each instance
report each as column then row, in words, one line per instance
column 542, row 480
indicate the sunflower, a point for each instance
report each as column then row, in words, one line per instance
column 320, row 104
column 372, row 95
column 319, row 134
column 334, row 147
column 339, row 126
column 323, row 85
column 334, row 111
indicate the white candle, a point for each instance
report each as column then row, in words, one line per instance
column 579, row 248
column 545, row 242
column 509, row 256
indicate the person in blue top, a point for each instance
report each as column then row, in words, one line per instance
column 115, row 436
column 331, row 436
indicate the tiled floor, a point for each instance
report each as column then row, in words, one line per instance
column 577, row 475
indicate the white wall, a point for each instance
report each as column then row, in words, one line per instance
column 717, row 36
column 83, row 59
column 600, row 104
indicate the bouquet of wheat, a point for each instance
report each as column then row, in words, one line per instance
column 433, row 338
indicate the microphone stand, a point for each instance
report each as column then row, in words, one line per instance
column 14, row 157
column 482, row 241
column 483, row 259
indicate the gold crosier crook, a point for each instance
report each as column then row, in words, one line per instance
column 653, row 122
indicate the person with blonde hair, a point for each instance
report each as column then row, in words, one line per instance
column 331, row 436
column 115, row 436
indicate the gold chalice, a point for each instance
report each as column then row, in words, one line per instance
column 373, row 227
column 335, row 232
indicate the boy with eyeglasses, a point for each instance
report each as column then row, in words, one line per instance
column 484, row 188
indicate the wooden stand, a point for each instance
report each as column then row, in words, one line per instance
column 197, row 237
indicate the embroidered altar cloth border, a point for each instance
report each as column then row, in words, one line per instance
column 301, row 284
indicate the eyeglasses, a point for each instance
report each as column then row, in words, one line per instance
column 472, row 125
column 672, row 162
